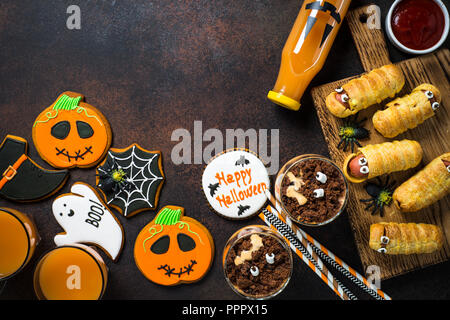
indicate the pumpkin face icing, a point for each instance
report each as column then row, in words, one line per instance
column 71, row 133
column 173, row 249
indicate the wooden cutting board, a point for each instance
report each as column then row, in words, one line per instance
column 433, row 135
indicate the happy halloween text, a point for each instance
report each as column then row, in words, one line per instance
column 243, row 179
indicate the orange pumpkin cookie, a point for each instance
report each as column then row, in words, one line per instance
column 71, row 133
column 173, row 248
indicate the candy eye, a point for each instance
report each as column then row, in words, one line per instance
column 382, row 250
column 448, row 168
column 254, row 271
column 364, row 170
column 270, row 258
column 435, row 105
column 339, row 90
column 362, row 161
column 321, row 177
column 384, row 240
column 318, row 193
column 429, row 94
column 344, row 97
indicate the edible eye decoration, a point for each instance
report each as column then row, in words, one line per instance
column 364, row 170
column 429, row 94
column 270, row 258
column 344, row 97
column 435, row 105
column 339, row 90
column 318, row 193
column 382, row 250
column 362, row 161
column 448, row 168
column 254, row 271
column 384, row 240
column 321, row 177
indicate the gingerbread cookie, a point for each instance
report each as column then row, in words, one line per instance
column 173, row 248
column 86, row 219
column 71, row 133
column 234, row 182
column 131, row 179
column 21, row 178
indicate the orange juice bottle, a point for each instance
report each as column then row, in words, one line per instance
column 18, row 240
column 75, row 272
column 306, row 49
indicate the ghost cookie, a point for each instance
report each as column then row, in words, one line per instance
column 21, row 179
column 131, row 179
column 234, row 182
column 86, row 219
column 71, row 133
column 173, row 248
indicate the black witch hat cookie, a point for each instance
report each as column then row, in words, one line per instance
column 21, row 178
column 234, row 182
column 131, row 179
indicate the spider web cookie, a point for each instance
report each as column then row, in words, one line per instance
column 131, row 179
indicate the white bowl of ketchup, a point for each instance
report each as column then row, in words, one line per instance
column 417, row 26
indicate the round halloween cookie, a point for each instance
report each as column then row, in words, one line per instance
column 131, row 179
column 71, row 133
column 173, row 248
column 234, row 182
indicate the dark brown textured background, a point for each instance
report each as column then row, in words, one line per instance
column 153, row 67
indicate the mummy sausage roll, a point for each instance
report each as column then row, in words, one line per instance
column 408, row 111
column 363, row 92
column 378, row 159
column 405, row 238
column 425, row 187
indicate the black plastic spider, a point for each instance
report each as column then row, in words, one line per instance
column 351, row 131
column 112, row 178
column 380, row 195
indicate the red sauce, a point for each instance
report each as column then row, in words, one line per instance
column 418, row 24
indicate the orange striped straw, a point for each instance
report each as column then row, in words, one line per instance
column 329, row 256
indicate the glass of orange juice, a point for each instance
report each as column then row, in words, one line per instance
column 72, row 272
column 18, row 240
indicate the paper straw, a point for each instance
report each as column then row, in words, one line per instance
column 329, row 256
column 281, row 228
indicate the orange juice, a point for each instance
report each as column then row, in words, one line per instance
column 18, row 239
column 306, row 49
column 70, row 273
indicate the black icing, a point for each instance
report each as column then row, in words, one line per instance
column 30, row 182
column 161, row 245
column 61, row 130
column 84, row 130
column 185, row 242
column 242, row 209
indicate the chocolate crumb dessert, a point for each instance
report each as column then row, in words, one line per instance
column 313, row 191
column 258, row 265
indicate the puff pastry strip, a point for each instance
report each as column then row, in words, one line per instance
column 426, row 187
column 408, row 111
column 405, row 238
column 385, row 158
column 365, row 91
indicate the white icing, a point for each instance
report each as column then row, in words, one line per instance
column 241, row 179
column 254, row 271
column 318, row 193
column 86, row 220
column 364, row 169
column 270, row 258
column 321, row 177
column 362, row 161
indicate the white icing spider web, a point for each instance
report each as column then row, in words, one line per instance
column 140, row 177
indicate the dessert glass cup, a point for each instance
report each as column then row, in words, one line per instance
column 287, row 167
column 21, row 238
column 402, row 47
column 246, row 232
column 50, row 263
